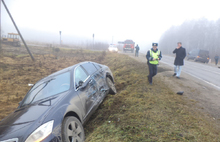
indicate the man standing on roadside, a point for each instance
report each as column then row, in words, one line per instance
column 137, row 48
column 153, row 56
column 216, row 59
column 179, row 60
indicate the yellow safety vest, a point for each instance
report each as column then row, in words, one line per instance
column 154, row 55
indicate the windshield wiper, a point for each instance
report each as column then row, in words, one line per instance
column 41, row 89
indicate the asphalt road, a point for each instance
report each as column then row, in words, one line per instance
column 207, row 73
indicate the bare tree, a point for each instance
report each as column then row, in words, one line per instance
column 194, row 34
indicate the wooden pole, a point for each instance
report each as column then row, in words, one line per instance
column 18, row 31
column 0, row 28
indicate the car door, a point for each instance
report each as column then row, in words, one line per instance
column 101, row 81
column 87, row 90
column 97, row 74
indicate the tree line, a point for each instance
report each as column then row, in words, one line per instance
column 194, row 34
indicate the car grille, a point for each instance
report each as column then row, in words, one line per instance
column 11, row 140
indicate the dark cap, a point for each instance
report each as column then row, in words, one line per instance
column 154, row 44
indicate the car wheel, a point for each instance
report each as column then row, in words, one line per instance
column 72, row 130
column 112, row 89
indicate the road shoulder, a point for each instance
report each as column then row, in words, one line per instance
column 200, row 95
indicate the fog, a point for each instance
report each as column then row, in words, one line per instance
column 143, row 21
column 194, row 34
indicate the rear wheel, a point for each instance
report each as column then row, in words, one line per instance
column 112, row 89
column 72, row 130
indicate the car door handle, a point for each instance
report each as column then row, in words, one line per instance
column 91, row 81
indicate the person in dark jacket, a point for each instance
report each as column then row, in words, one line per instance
column 137, row 48
column 153, row 56
column 216, row 59
column 179, row 60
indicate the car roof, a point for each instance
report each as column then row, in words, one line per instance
column 63, row 71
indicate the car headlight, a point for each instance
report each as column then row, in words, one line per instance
column 41, row 132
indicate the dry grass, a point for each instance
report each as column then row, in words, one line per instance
column 16, row 71
column 138, row 112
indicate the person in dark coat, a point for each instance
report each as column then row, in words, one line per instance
column 137, row 48
column 216, row 59
column 153, row 56
column 179, row 60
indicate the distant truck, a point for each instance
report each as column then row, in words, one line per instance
column 198, row 55
column 12, row 39
column 128, row 46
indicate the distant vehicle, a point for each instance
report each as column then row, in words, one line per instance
column 113, row 48
column 198, row 55
column 57, row 106
column 12, row 39
column 128, row 46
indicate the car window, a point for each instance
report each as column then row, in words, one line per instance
column 55, row 85
column 204, row 53
column 79, row 75
column 97, row 66
column 89, row 67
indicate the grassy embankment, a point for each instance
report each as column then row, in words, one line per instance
column 139, row 112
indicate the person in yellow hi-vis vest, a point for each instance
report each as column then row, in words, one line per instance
column 153, row 56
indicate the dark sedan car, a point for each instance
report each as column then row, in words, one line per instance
column 198, row 55
column 57, row 106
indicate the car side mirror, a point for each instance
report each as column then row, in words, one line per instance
column 80, row 83
column 30, row 84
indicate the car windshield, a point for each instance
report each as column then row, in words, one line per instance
column 112, row 46
column 129, row 42
column 45, row 89
column 204, row 53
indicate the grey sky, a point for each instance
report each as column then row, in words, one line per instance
column 144, row 21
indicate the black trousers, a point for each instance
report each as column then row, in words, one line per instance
column 152, row 72
column 216, row 62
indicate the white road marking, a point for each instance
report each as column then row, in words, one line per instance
column 196, row 77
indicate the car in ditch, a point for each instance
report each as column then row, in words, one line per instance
column 57, row 106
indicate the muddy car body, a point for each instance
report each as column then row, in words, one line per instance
column 56, row 107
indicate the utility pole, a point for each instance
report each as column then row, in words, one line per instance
column 0, row 28
column 93, row 40
column 112, row 39
column 18, row 31
column 60, row 38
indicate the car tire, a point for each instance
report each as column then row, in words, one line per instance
column 72, row 130
column 111, row 85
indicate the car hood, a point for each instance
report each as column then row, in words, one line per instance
column 112, row 48
column 19, row 122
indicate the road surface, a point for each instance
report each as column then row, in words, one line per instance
column 209, row 74
column 203, row 72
